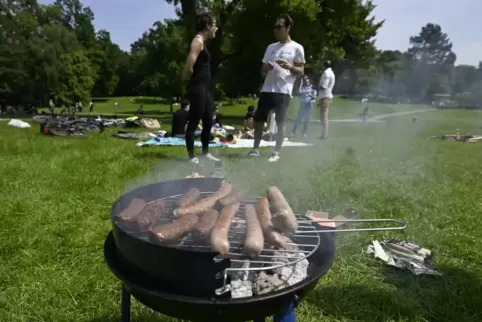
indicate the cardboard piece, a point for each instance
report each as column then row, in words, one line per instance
column 321, row 215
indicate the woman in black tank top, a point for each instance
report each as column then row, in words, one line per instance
column 198, row 90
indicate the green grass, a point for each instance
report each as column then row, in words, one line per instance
column 56, row 195
column 231, row 113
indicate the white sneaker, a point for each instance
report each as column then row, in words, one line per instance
column 274, row 157
column 253, row 153
column 210, row 157
column 194, row 160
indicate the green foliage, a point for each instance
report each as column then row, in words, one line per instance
column 77, row 78
column 43, row 47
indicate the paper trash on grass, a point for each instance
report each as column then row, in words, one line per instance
column 323, row 218
column 19, row 124
column 404, row 255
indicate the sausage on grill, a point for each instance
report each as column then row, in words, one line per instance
column 219, row 235
column 135, row 207
column 254, row 240
column 205, row 225
column 128, row 217
column 224, row 190
column 284, row 218
column 205, row 204
column 235, row 196
column 189, row 197
column 270, row 234
column 147, row 218
column 174, row 230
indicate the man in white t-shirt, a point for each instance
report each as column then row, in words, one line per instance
column 283, row 62
column 327, row 82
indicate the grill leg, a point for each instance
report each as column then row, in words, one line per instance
column 125, row 305
column 288, row 315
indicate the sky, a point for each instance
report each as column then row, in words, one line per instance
column 126, row 20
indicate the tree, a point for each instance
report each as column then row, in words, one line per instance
column 432, row 60
column 76, row 81
column 432, row 46
column 323, row 27
column 108, row 61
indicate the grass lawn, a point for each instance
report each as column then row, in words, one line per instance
column 160, row 109
column 56, row 195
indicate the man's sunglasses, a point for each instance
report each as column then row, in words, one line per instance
column 278, row 27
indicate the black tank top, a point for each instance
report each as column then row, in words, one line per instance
column 201, row 70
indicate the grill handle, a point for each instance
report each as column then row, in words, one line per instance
column 400, row 226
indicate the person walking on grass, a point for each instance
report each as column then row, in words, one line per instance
column 325, row 87
column 283, row 61
column 52, row 107
column 199, row 86
column 307, row 99
column 116, row 106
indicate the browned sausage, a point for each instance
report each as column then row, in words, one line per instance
column 271, row 235
column 135, row 207
column 197, row 207
column 174, row 230
column 219, row 235
column 254, row 240
column 205, row 204
column 224, row 190
column 235, row 196
column 205, row 225
column 284, row 218
column 189, row 197
column 128, row 217
column 147, row 218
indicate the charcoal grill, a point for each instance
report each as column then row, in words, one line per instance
column 187, row 280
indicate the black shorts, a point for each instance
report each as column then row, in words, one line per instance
column 276, row 102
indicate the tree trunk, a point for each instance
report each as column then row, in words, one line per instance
column 189, row 8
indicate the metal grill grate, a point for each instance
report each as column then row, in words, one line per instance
column 268, row 258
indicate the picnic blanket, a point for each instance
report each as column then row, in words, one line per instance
column 139, row 135
column 173, row 141
column 248, row 143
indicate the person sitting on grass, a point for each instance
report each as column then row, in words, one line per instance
column 140, row 111
column 249, row 119
column 179, row 120
column 216, row 121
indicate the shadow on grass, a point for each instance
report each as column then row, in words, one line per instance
column 151, row 113
column 152, row 101
column 455, row 296
column 145, row 317
column 99, row 100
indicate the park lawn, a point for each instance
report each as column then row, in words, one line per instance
column 56, row 195
column 160, row 109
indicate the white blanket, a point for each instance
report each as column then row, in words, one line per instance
column 248, row 143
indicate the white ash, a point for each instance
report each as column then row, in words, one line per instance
column 241, row 289
column 262, row 282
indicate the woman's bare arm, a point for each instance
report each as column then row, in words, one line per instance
column 196, row 47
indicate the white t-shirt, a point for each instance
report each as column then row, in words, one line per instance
column 327, row 81
column 280, row 80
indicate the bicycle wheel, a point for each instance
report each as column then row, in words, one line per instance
column 41, row 119
column 67, row 133
column 88, row 127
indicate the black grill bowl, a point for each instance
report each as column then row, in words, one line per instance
column 155, row 272
column 205, row 309
column 185, row 271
